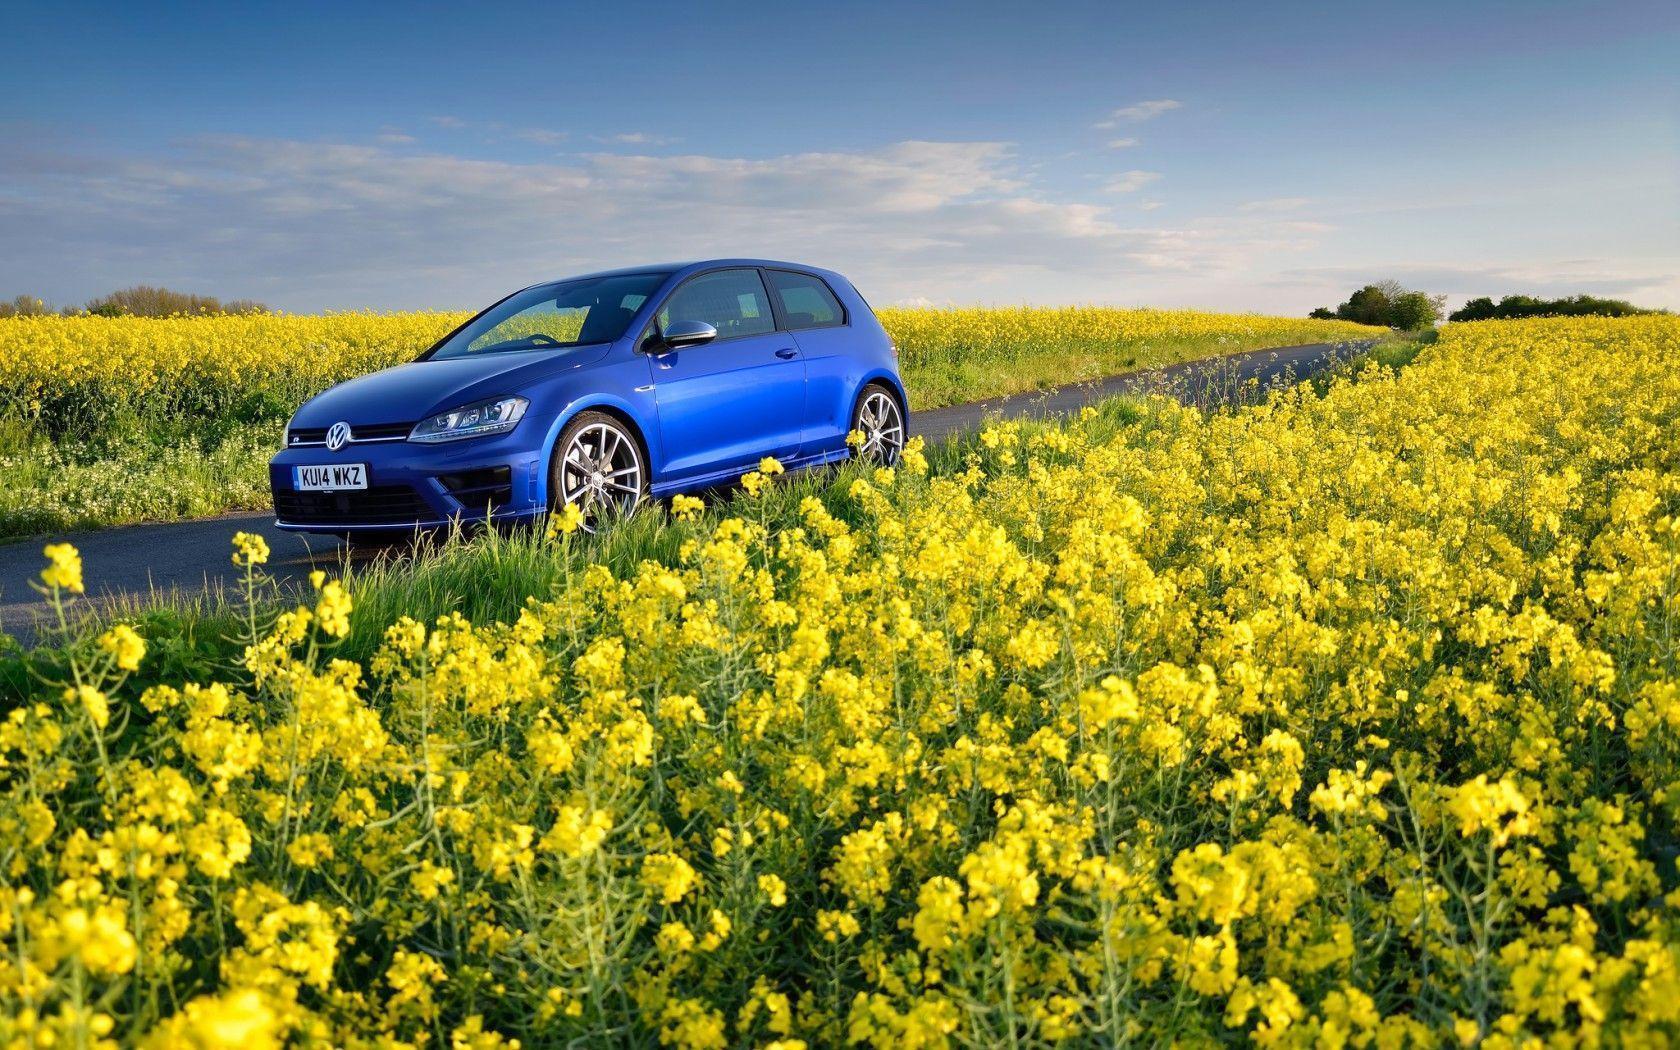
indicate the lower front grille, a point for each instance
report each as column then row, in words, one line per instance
column 475, row 489
column 379, row 505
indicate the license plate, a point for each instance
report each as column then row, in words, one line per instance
column 330, row 477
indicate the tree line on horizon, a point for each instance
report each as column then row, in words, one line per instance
column 1386, row 303
column 1392, row 305
column 1513, row 306
column 142, row 300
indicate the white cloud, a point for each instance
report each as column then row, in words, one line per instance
column 497, row 131
column 634, row 138
column 310, row 226
column 1122, row 143
column 389, row 136
column 1139, row 111
column 1130, row 181
column 1150, row 205
column 1275, row 204
column 313, row 225
column 540, row 136
column 921, row 302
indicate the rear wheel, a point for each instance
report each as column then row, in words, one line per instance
column 880, row 420
column 599, row 466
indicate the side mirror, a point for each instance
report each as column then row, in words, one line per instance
column 686, row 333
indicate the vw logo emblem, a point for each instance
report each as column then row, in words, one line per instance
column 337, row 435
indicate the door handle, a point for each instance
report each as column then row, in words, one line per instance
column 787, row 353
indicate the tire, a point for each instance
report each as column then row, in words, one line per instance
column 880, row 418
column 600, row 465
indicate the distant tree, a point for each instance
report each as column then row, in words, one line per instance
column 1415, row 311
column 1369, row 305
column 24, row 306
column 1512, row 306
column 1480, row 309
column 145, row 301
column 1390, row 304
column 1323, row 313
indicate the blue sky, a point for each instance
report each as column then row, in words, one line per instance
column 1238, row 156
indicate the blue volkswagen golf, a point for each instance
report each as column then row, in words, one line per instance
column 603, row 391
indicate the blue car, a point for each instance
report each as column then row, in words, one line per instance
column 601, row 391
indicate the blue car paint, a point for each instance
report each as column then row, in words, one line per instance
column 704, row 414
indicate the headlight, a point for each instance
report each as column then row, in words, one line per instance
column 469, row 421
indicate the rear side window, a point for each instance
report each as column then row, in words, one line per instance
column 732, row 301
column 805, row 300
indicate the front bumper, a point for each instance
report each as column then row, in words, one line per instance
column 413, row 486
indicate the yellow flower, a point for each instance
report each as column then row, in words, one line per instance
column 1498, row 806
column 470, row 1035
column 577, row 833
column 674, row 939
column 413, row 976
column 234, row 1020
column 565, row 521
column 126, row 647
column 939, row 914
column 835, row 925
column 912, row 458
column 669, row 876
column 249, row 549
column 721, row 927
column 1352, row 792
column 685, row 507
column 218, row 844
column 98, row 938
column 92, row 702
column 64, row 569
column 332, row 605
column 308, row 851
column 429, row 880
column 689, row 1025
column 774, row 889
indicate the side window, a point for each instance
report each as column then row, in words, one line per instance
column 806, row 300
column 732, row 301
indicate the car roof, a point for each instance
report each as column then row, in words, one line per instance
column 685, row 268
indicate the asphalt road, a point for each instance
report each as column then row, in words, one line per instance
column 133, row 564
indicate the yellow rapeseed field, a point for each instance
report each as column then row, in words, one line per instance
column 74, row 375
column 115, row 420
column 1344, row 721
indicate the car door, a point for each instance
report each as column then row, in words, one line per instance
column 725, row 404
column 809, row 309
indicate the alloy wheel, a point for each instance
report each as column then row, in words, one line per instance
column 601, row 471
column 882, row 425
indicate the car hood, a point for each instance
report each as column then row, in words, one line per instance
column 418, row 389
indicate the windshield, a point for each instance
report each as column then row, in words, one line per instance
column 569, row 313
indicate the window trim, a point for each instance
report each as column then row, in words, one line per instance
column 776, row 304
column 653, row 318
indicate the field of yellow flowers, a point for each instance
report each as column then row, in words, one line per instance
column 110, row 420
column 1348, row 720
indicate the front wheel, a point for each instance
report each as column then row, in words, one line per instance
column 881, row 422
column 598, row 465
